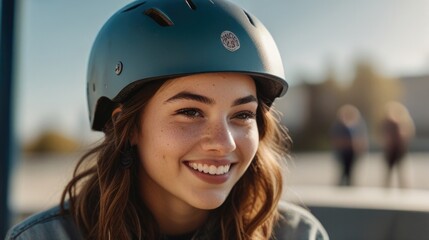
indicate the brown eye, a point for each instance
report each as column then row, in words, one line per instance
column 245, row 115
column 190, row 112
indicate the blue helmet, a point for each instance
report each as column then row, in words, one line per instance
column 161, row 39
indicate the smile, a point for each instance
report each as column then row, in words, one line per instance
column 210, row 169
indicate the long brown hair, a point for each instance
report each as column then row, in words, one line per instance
column 103, row 195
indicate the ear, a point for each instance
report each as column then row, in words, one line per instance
column 134, row 134
column 133, row 138
column 116, row 112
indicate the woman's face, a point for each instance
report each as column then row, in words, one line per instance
column 198, row 136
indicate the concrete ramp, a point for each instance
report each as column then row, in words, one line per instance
column 367, row 213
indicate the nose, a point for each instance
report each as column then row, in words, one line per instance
column 219, row 138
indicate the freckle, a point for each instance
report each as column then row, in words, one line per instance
column 163, row 157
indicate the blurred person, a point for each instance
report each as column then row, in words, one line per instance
column 397, row 130
column 349, row 140
column 192, row 149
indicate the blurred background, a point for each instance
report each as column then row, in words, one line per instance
column 363, row 54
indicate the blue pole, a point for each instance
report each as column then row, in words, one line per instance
column 6, row 130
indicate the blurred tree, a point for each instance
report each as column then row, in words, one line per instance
column 370, row 91
column 325, row 98
column 51, row 142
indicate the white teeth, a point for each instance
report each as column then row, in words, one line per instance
column 210, row 169
column 220, row 170
column 206, row 169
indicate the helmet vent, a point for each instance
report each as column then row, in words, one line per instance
column 133, row 7
column 159, row 17
column 191, row 4
column 249, row 18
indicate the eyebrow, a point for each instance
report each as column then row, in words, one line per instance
column 191, row 96
column 244, row 100
column 210, row 101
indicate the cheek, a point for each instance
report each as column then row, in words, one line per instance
column 249, row 141
column 164, row 140
column 175, row 136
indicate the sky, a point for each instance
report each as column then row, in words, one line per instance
column 54, row 38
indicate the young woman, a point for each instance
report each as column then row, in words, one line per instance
column 192, row 150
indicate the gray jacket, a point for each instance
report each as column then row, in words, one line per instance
column 296, row 224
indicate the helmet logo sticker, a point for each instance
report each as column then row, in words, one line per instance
column 230, row 41
column 118, row 68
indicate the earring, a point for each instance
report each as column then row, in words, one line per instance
column 128, row 156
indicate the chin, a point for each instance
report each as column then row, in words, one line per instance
column 210, row 201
